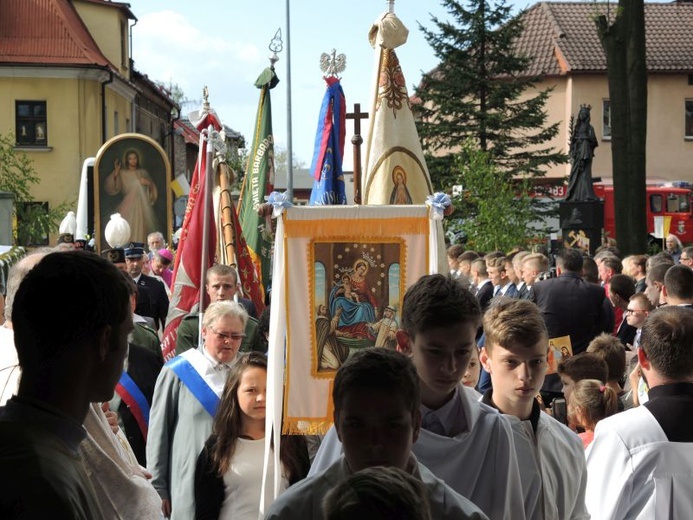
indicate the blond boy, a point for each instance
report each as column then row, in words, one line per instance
column 515, row 355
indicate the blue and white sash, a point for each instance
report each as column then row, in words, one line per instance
column 191, row 377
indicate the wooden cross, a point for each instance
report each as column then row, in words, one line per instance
column 357, row 141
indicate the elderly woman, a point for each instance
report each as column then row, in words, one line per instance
column 185, row 398
column 673, row 247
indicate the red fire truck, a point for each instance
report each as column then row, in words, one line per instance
column 664, row 199
column 669, row 199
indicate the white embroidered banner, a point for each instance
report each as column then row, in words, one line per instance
column 339, row 278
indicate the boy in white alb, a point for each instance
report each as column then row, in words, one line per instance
column 515, row 355
column 377, row 417
column 641, row 460
column 463, row 442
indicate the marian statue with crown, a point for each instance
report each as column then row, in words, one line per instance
column 583, row 141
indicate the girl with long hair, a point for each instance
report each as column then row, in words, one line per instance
column 228, row 476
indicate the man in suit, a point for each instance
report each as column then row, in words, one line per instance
column 532, row 266
column 484, row 287
column 497, row 272
column 221, row 285
column 570, row 307
column 154, row 292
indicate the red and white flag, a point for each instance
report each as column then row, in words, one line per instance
column 187, row 273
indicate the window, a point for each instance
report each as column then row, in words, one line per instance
column 606, row 119
column 31, row 127
column 689, row 118
column 656, row 203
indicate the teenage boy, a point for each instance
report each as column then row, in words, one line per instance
column 515, row 355
column 464, row 442
column 377, row 419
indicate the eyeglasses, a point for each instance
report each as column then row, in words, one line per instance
column 228, row 337
column 633, row 311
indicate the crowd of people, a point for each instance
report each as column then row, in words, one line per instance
column 516, row 386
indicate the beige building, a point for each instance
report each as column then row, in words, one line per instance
column 67, row 85
column 568, row 56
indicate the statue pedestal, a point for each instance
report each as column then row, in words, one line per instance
column 581, row 224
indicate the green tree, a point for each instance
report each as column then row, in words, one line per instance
column 623, row 39
column 17, row 176
column 478, row 91
column 498, row 215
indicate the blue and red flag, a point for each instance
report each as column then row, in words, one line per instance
column 326, row 167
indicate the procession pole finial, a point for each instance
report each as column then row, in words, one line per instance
column 332, row 64
column 205, row 97
column 276, row 45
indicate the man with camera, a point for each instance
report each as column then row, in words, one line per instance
column 570, row 307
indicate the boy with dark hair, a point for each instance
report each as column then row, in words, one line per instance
column 678, row 286
column 515, row 355
column 71, row 355
column 377, row 419
column 439, row 323
column 582, row 366
column 621, row 288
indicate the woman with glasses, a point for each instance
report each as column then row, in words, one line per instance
column 186, row 397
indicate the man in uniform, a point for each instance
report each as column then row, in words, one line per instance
column 154, row 289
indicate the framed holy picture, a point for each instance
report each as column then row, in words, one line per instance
column 132, row 176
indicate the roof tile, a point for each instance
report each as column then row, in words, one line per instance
column 568, row 29
column 46, row 32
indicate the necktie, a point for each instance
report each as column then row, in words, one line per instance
column 433, row 424
column 497, row 291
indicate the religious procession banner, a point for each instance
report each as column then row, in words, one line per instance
column 259, row 181
column 395, row 171
column 326, row 167
column 340, row 275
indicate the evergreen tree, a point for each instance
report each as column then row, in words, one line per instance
column 478, row 91
column 499, row 215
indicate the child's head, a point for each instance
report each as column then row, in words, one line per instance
column 579, row 367
column 590, row 402
column 378, row 493
column 611, row 350
column 515, row 353
column 471, row 377
column 439, row 323
column 639, row 308
column 376, row 408
column 242, row 401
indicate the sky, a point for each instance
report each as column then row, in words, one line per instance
column 224, row 45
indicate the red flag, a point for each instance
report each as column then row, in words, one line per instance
column 246, row 267
column 185, row 294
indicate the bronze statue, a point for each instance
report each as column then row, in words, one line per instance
column 583, row 141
